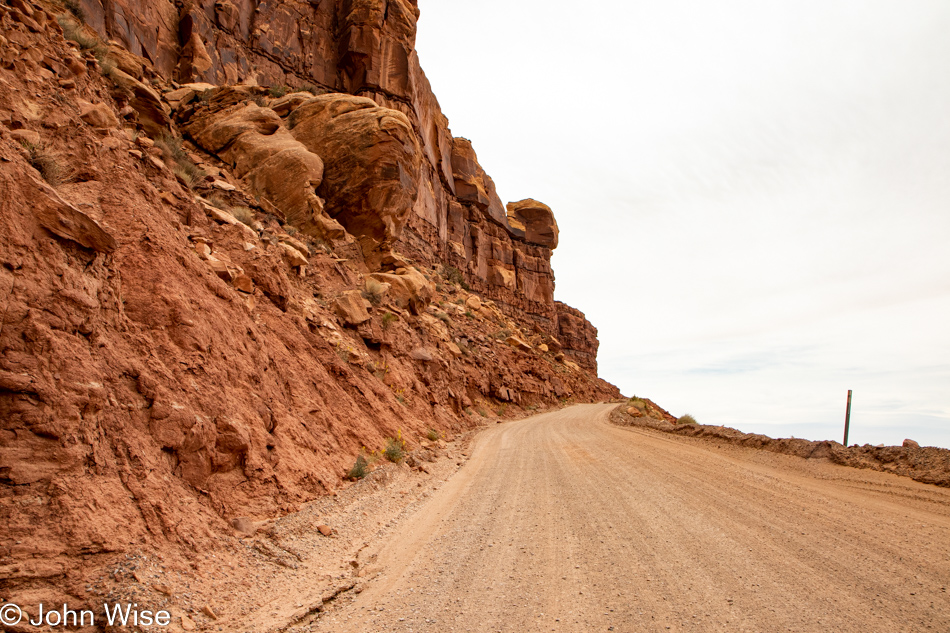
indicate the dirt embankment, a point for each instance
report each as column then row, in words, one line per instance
column 928, row 465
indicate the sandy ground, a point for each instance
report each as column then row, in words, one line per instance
column 564, row 522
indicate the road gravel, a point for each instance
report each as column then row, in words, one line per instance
column 565, row 522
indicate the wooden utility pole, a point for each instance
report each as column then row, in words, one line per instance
column 847, row 419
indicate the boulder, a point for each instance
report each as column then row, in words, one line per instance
column 351, row 308
column 126, row 62
column 98, row 115
column 372, row 161
column 516, row 342
column 26, row 137
column 271, row 161
column 61, row 218
column 244, row 283
column 292, row 255
column 473, row 303
column 536, row 220
column 422, row 354
column 910, row 444
column 152, row 112
column 409, row 288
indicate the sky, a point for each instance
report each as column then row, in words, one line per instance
column 753, row 195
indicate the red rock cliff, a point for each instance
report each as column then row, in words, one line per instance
column 194, row 330
column 364, row 48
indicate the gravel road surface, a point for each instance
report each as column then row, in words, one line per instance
column 565, row 522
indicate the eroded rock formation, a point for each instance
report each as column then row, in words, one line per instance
column 216, row 295
column 363, row 48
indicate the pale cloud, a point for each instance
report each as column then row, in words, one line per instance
column 753, row 195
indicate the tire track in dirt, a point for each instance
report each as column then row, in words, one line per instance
column 564, row 522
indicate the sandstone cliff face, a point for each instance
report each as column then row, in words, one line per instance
column 577, row 336
column 202, row 329
column 364, row 48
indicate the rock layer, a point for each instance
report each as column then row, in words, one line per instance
column 363, row 48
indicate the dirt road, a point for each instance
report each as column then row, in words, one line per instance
column 564, row 522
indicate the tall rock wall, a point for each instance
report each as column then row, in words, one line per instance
column 364, row 48
column 197, row 330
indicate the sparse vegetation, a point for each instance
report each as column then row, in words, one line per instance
column 469, row 314
column 359, row 470
column 686, row 419
column 483, row 412
column 432, row 435
column 106, row 65
column 380, row 371
column 45, row 163
column 308, row 88
column 343, row 353
column 502, row 409
column 638, row 403
column 395, row 449
column 388, row 319
column 75, row 8
column 502, row 334
column 444, row 317
column 243, row 214
column 373, row 292
column 177, row 158
column 454, row 276
column 75, row 31
column 277, row 91
column 189, row 174
column 171, row 148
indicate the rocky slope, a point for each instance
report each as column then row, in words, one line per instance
column 927, row 464
column 216, row 291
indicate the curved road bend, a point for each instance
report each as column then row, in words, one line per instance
column 564, row 522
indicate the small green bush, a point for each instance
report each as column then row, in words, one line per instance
column 395, row 450
column 360, row 469
column 686, row 419
column 454, row 276
column 277, row 91
column 432, row 435
column 388, row 319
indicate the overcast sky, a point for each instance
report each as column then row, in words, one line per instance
column 753, row 195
